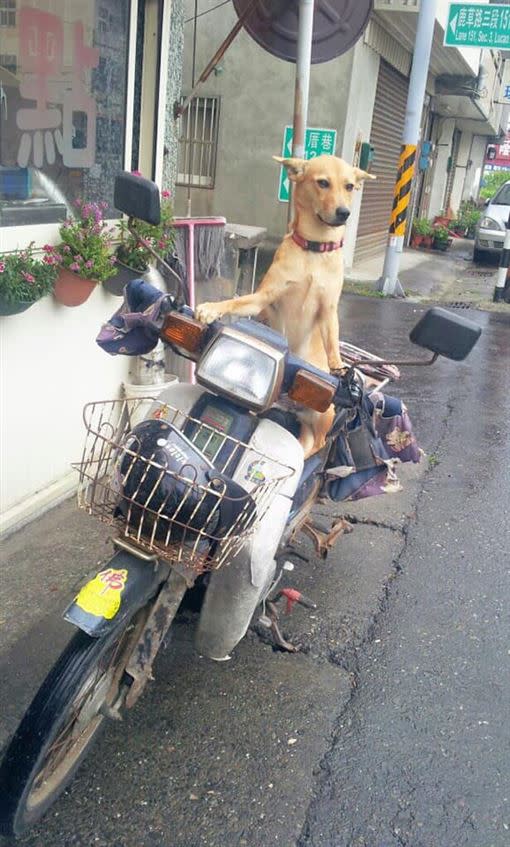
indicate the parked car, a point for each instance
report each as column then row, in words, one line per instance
column 490, row 232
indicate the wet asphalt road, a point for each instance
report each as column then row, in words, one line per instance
column 391, row 727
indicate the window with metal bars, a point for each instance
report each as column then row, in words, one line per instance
column 10, row 62
column 198, row 142
column 7, row 13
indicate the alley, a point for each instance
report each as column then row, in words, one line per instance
column 359, row 739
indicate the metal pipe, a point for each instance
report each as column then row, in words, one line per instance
column 389, row 282
column 302, row 85
column 179, row 108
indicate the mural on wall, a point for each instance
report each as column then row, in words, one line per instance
column 63, row 71
column 71, row 129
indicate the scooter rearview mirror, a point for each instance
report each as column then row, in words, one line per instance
column 446, row 334
column 137, row 197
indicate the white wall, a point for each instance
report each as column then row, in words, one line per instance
column 51, row 366
column 443, row 148
column 474, row 172
column 358, row 123
column 459, row 179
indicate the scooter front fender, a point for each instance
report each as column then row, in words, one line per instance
column 235, row 591
column 116, row 592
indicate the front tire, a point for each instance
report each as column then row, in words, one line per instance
column 60, row 725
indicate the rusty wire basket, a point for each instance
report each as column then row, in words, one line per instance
column 126, row 489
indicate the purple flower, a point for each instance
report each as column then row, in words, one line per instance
column 2, row 267
column 89, row 263
column 28, row 277
column 165, row 193
column 74, row 267
column 66, row 248
column 78, row 258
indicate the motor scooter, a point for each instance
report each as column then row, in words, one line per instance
column 204, row 485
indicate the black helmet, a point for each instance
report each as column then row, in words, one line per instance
column 161, row 476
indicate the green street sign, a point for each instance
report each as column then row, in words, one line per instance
column 478, row 25
column 317, row 142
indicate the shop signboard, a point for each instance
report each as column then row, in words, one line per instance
column 478, row 25
column 317, row 142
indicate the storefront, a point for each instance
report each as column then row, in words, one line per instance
column 386, row 138
column 82, row 96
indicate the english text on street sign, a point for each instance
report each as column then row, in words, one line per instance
column 317, row 142
column 478, row 25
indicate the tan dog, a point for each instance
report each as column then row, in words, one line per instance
column 299, row 294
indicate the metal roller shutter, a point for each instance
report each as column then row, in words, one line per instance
column 386, row 138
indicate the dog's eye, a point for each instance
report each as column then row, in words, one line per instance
column 349, row 186
column 323, row 183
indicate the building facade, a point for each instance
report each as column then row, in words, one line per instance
column 86, row 91
column 361, row 95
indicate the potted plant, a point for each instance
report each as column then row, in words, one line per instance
column 468, row 218
column 442, row 238
column 132, row 254
column 422, row 232
column 24, row 279
column 84, row 254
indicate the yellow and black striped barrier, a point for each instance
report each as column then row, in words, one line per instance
column 402, row 192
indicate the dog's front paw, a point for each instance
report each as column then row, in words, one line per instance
column 208, row 312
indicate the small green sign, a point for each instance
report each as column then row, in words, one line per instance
column 317, row 142
column 478, row 25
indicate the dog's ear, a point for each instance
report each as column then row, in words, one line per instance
column 360, row 175
column 295, row 167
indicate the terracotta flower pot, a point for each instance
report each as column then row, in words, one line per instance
column 115, row 284
column 71, row 289
column 416, row 240
column 427, row 241
column 14, row 307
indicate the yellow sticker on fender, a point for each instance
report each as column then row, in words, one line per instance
column 101, row 596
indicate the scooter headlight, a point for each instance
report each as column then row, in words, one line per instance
column 245, row 369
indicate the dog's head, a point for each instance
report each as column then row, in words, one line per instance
column 324, row 186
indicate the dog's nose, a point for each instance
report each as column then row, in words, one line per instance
column 342, row 213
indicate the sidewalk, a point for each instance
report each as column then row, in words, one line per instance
column 431, row 276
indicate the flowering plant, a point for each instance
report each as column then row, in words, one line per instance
column 131, row 250
column 24, row 277
column 86, row 242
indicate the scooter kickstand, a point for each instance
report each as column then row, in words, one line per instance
column 292, row 596
column 324, row 537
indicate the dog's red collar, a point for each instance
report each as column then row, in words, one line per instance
column 317, row 246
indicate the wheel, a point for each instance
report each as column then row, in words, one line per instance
column 60, row 725
column 478, row 256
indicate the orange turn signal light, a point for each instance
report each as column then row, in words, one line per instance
column 311, row 391
column 184, row 332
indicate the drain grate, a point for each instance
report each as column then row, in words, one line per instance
column 478, row 273
column 460, row 304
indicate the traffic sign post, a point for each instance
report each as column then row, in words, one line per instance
column 478, row 25
column 318, row 141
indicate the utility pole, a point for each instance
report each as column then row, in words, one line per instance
column 389, row 282
column 302, row 85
